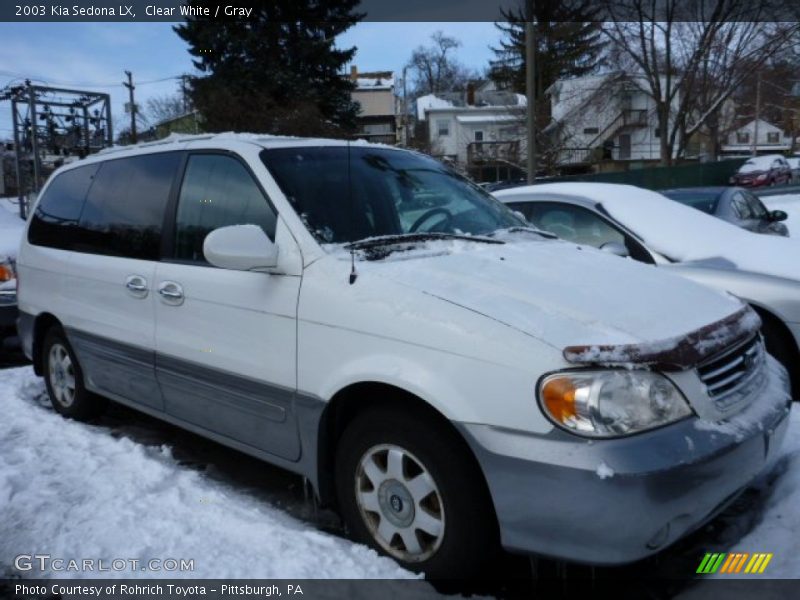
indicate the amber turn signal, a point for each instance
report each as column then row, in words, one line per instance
column 558, row 396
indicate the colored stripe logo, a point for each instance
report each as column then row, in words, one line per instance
column 734, row 562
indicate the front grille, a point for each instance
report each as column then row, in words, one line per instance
column 726, row 373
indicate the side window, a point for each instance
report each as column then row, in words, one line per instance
column 526, row 208
column 757, row 208
column 575, row 224
column 55, row 220
column 124, row 210
column 217, row 191
column 739, row 205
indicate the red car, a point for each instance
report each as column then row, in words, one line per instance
column 761, row 171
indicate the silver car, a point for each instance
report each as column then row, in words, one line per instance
column 762, row 270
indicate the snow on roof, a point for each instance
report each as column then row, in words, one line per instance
column 379, row 82
column 680, row 232
column 488, row 118
column 425, row 103
column 759, row 163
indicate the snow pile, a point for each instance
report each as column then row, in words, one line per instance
column 72, row 491
column 680, row 232
column 11, row 227
column 790, row 204
column 603, row 471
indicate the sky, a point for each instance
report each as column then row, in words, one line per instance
column 94, row 56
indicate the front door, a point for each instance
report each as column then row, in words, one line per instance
column 226, row 340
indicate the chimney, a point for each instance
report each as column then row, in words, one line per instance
column 470, row 94
column 353, row 73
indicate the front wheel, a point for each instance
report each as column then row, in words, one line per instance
column 409, row 488
column 64, row 379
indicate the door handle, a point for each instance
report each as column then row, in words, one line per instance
column 136, row 285
column 171, row 292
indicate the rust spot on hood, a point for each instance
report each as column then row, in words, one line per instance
column 672, row 354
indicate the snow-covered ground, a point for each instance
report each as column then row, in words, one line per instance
column 789, row 203
column 73, row 490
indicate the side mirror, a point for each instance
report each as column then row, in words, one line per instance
column 520, row 215
column 778, row 215
column 240, row 248
column 616, row 249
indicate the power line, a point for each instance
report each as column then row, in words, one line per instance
column 85, row 84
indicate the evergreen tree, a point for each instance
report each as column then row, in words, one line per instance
column 569, row 43
column 278, row 71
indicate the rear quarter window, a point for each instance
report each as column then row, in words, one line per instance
column 55, row 221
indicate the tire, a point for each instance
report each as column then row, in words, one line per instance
column 783, row 351
column 64, row 379
column 408, row 487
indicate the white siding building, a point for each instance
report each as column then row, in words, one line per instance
column 610, row 116
column 479, row 132
column 771, row 139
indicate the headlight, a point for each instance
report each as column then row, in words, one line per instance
column 611, row 403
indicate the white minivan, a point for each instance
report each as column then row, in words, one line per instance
column 448, row 378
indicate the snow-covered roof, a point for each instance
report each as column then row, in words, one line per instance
column 678, row 231
column 759, row 163
column 426, row 103
column 488, row 118
column 379, row 82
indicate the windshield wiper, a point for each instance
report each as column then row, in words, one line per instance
column 377, row 248
column 523, row 228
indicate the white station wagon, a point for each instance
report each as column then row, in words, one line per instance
column 451, row 380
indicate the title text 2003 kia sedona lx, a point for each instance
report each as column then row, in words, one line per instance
column 450, row 379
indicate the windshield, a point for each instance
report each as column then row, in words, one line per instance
column 705, row 201
column 349, row 193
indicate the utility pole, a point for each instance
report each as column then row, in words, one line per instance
column 530, row 86
column 758, row 115
column 129, row 84
column 405, row 109
column 185, row 93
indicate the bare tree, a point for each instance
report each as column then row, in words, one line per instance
column 162, row 108
column 435, row 70
column 691, row 56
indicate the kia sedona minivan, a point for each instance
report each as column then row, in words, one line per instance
column 451, row 380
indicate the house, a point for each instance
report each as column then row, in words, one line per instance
column 378, row 119
column 188, row 122
column 609, row 117
column 480, row 132
column 770, row 139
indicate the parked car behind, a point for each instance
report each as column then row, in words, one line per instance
column 11, row 228
column 794, row 165
column 761, row 171
column 732, row 204
column 644, row 225
column 366, row 317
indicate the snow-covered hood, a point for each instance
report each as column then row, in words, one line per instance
column 561, row 294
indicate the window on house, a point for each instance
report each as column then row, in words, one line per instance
column 742, row 138
column 443, row 127
column 478, row 136
column 656, row 132
column 773, row 137
column 591, row 130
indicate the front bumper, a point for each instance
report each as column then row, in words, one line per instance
column 8, row 316
column 555, row 495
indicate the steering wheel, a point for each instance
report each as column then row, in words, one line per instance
column 431, row 213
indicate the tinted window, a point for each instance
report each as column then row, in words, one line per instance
column 124, row 210
column 740, row 207
column 757, row 209
column 348, row 193
column 217, row 191
column 55, row 220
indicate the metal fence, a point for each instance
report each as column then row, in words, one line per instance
column 659, row 178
